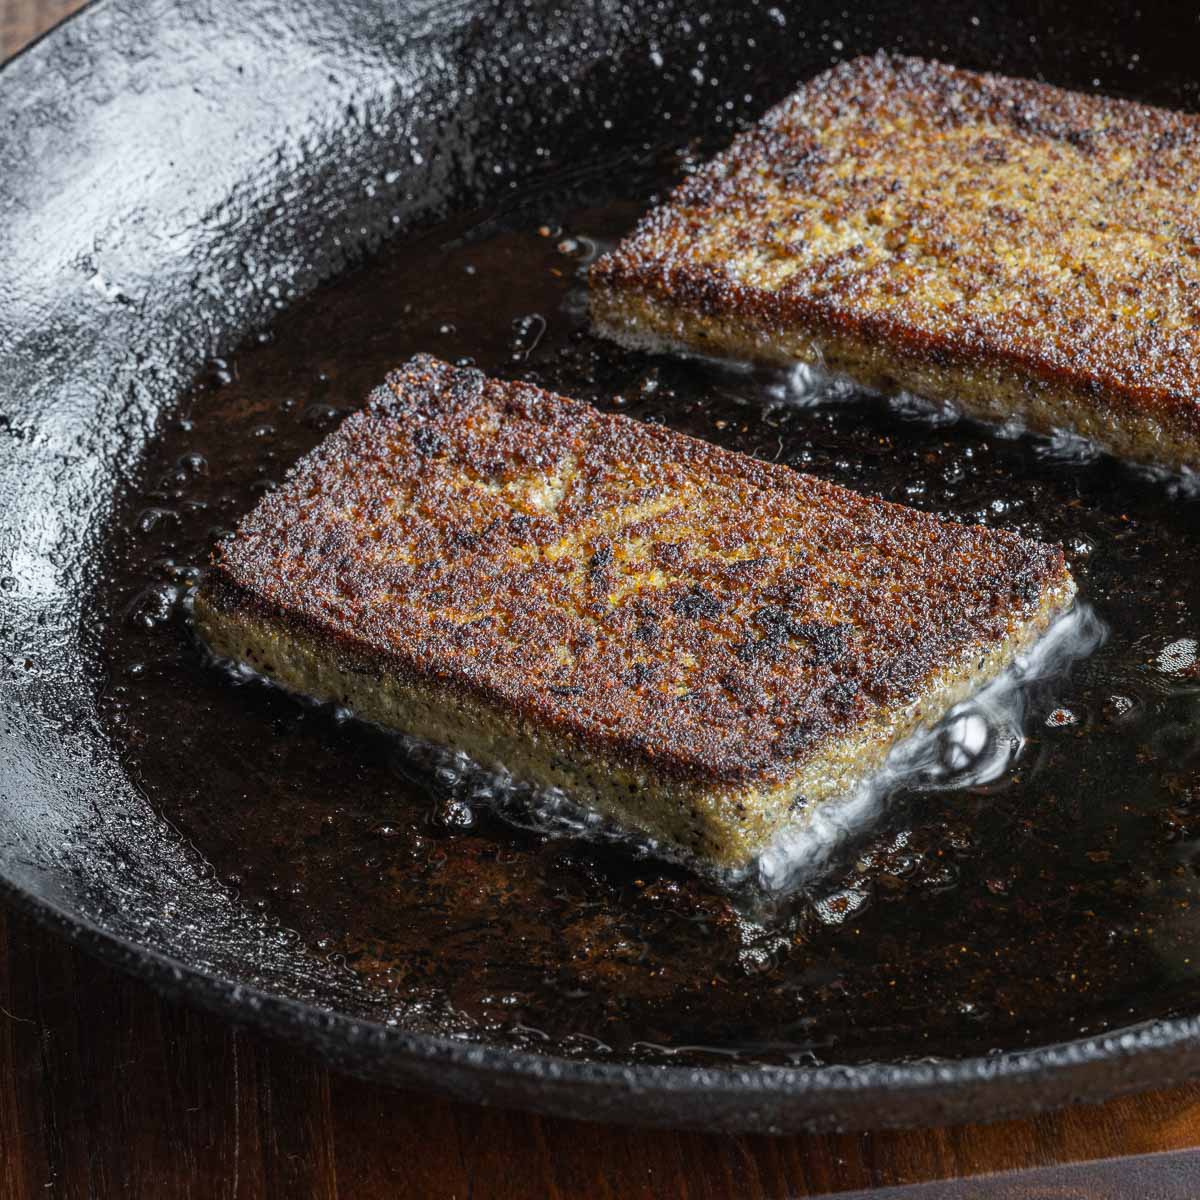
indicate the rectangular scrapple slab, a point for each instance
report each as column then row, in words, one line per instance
column 1028, row 252
column 699, row 644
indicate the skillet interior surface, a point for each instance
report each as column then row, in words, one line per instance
column 172, row 181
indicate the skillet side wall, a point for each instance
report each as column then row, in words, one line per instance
column 170, row 177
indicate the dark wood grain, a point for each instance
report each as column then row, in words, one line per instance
column 22, row 20
column 106, row 1090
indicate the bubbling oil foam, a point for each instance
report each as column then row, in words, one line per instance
column 813, row 385
column 975, row 743
column 808, row 385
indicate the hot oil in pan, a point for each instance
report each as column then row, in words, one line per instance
column 1056, row 900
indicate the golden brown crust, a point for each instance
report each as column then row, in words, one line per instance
column 697, row 613
column 964, row 222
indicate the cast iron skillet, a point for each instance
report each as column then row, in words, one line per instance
column 167, row 174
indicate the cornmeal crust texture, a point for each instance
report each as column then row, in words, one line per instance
column 699, row 644
column 1028, row 252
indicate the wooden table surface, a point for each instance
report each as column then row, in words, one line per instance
column 106, row 1090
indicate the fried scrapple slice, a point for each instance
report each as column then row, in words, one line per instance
column 1028, row 252
column 699, row 644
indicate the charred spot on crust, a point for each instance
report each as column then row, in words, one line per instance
column 427, row 439
column 828, row 642
column 842, row 694
column 638, row 674
column 799, row 738
column 753, row 650
column 696, row 602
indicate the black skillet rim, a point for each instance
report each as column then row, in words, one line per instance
column 758, row 1099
